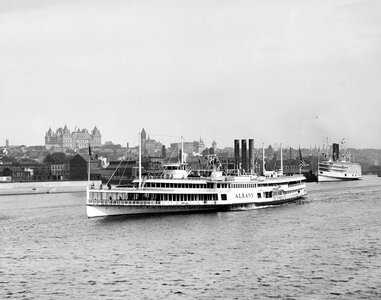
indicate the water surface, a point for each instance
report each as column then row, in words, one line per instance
column 326, row 246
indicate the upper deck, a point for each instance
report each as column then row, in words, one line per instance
column 159, row 182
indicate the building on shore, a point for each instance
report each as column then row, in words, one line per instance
column 63, row 138
column 150, row 147
column 188, row 147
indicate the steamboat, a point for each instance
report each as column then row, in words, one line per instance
column 338, row 167
column 179, row 189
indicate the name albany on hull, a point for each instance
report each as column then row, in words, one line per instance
column 244, row 195
column 178, row 189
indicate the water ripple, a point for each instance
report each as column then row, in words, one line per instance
column 325, row 246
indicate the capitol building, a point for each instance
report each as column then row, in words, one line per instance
column 64, row 138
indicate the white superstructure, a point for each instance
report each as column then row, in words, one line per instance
column 178, row 190
column 338, row 167
column 338, row 171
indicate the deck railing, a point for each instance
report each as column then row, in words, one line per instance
column 149, row 203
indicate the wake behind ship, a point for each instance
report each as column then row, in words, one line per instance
column 338, row 167
column 178, row 189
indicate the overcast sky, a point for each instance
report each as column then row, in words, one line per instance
column 278, row 71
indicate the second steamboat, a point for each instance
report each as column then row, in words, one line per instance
column 339, row 167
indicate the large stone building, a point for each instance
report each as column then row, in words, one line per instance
column 150, row 147
column 189, row 147
column 77, row 139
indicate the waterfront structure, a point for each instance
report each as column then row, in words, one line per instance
column 79, row 167
column 19, row 174
column 291, row 167
column 60, row 171
column 65, row 139
column 117, row 172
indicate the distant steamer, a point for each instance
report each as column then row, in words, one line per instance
column 338, row 167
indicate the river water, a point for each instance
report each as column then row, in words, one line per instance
column 326, row 246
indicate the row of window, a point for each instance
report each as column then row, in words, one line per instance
column 178, row 185
column 336, row 170
column 209, row 185
column 57, row 167
column 243, row 185
column 168, row 197
column 154, row 197
column 332, row 169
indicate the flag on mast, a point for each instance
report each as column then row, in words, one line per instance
column 90, row 154
column 302, row 162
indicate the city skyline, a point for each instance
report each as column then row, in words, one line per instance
column 214, row 144
column 290, row 72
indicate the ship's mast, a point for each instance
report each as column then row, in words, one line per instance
column 289, row 164
column 318, row 160
column 263, row 159
column 281, row 160
column 182, row 150
column 300, row 158
column 88, row 171
column 88, row 165
column 140, row 159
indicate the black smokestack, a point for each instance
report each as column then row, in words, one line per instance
column 236, row 154
column 244, row 155
column 163, row 152
column 335, row 151
column 251, row 155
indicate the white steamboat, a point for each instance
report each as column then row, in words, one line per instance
column 339, row 167
column 176, row 190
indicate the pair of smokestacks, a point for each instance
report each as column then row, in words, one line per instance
column 246, row 160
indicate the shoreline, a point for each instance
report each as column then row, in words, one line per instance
column 44, row 187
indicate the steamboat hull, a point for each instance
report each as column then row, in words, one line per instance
column 333, row 178
column 342, row 175
column 106, row 208
column 278, row 202
column 111, row 210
